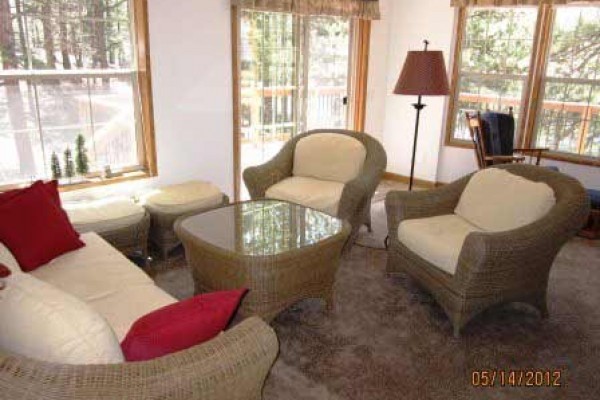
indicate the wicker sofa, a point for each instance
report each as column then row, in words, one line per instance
column 233, row 365
column 355, row 199
column 492, row 267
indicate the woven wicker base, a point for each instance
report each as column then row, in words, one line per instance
column 162, row 235
column 130, row 240
column 275, row 282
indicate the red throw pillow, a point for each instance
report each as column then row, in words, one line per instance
column 50, row 187
column 180, row 325
column 34, row 228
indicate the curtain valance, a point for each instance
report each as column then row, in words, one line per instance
column 365, row 9
column 483, row 3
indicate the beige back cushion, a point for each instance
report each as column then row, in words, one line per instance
column 496, row 200
column 329, row 156
column 42, row 322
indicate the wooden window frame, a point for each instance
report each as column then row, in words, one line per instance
column 532, row 96
column 148, row 160
column 360, row 42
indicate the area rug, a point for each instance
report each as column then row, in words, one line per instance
column 388, row 339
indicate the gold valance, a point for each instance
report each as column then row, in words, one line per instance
column 507, row 3
column 364, row 9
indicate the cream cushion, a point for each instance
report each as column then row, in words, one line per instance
column 329, row 156
column 438, row 240
column 104, row 215
column 107, row 281
column 8, row 259
column 94, row 271
column 496, row 200
column 123, row 307
column 184, row 197
column 322, row 195
column 42, row 322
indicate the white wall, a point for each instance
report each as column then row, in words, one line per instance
column 190, row 46
column 411, row 23
column 377, row 86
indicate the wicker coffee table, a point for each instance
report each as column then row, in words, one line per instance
column 281, row 252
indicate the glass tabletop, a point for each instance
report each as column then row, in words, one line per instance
column 262, row 227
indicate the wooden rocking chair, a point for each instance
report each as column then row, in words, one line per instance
column 483, row 153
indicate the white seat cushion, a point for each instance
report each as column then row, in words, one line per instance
column 104, row 214
column 9, row 260
column 496, row 200
column 322, row 195
column 42, row 322
column 107, row 281
column 329, row 156
column 438, row 239
column 184, row 197
column 94, row 271
column 123, row 307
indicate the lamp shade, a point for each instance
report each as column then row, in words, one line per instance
column 424, row 73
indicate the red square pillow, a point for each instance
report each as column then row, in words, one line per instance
column 50, row 187
column 34, row 228
column 180, row 325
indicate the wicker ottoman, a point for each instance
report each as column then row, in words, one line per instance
column 281, row 252
column 169, row 203
column 120, row 221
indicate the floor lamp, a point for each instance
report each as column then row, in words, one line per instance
column 423, row 74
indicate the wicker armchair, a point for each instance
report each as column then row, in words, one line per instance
column 493, row 268
column 355, row 203
column 232, row 366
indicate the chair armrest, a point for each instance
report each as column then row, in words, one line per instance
column 521, row 257
column 531, row 150
column 232, row 366
column 504, row 159
column 403, row 205
column 261, row 177
column 356, row 192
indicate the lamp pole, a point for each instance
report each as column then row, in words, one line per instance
column 418, row 106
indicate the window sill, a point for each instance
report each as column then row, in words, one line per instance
column 91, row 182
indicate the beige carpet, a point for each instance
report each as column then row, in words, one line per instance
column 388, row 339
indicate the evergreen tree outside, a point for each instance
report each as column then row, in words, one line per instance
column 55, row 166
column 69, row 166
column 81, row 158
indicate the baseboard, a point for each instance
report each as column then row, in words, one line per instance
column 416, row 181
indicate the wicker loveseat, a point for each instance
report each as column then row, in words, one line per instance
column 492, row 267
column 354, row 202
column 233, row 365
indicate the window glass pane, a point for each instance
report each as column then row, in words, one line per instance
column 20, row 147
column 64, row 111
column 495, row 59
column 569, row 114
column 73, row 62
column 114, row 134
column 328, row 72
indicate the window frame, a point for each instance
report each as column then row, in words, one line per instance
column 143, row 83
column 532, row 99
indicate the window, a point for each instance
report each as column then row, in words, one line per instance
column 494, row 63
column 544, row 63
column 71, row 70
column 294, row 74
column 568, row 120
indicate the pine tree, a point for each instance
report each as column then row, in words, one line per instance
column 69, row 166
column 81, row 158
column 55, row 166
